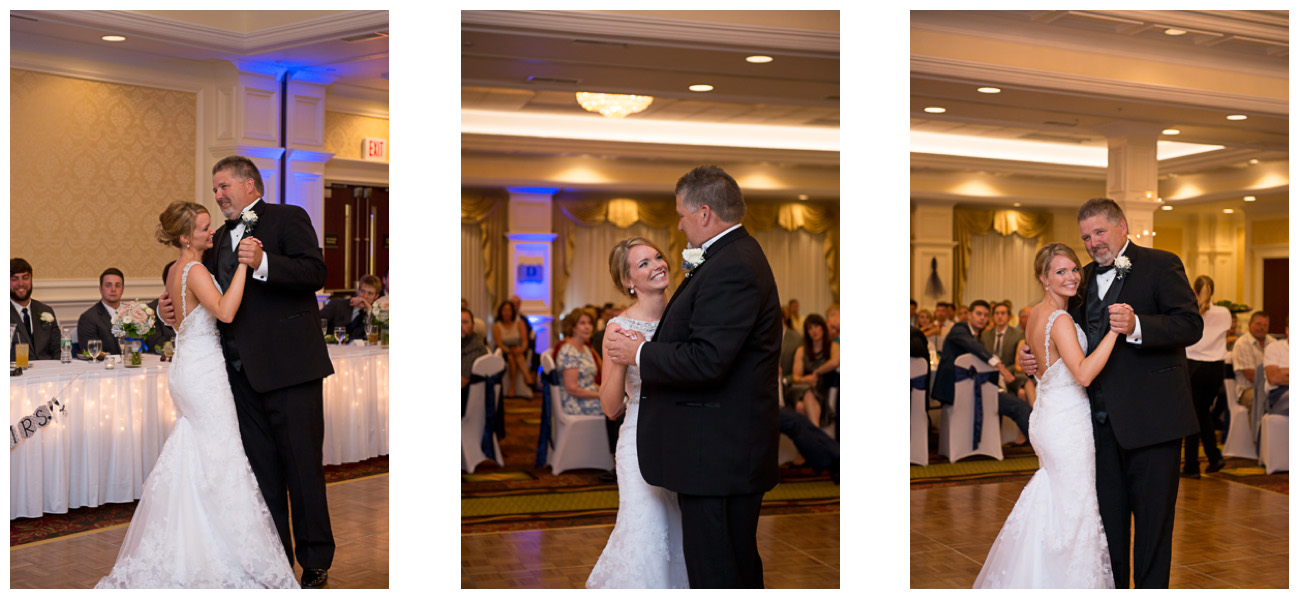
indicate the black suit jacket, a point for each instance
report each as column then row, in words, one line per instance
column 1145, row 386
column 709, row 419
column 96, row 324
column 338, row 313
column 43, row 344
column 161, row 333
column 277, row 328
column 960, row 341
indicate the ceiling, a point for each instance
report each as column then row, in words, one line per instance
column 1077, row 109
column 348, row 47
column 523, row 68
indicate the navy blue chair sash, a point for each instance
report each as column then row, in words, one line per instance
column 544, row 432
column 489, row 413
column 980, row 380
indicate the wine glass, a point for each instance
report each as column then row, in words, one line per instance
column 339, row 332
column 94, row 347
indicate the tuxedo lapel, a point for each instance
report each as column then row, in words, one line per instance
column 712, row 252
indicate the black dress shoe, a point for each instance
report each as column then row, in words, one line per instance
column 1196, row 475
column 1215, row 466
column 314, row 579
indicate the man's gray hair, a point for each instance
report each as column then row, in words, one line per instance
column 712, row 186
column 1101, row 206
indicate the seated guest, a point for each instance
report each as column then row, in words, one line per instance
column 510, row 334
column 961, row 340
column 578, row 365
column 34, row 321
column 913, row 313
column 161, row 334
column 817, row 356
column 471, row 348
column 1003, row 340
column 480, row 328
column 790, row 342
column 1277, row 371
column 1248, row 353
column 351, row 313
column 929, row 328
column 833, row 321
column 796, row 319
column 97, row 322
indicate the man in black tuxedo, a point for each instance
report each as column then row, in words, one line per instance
column 275, row 357
column 961, row 340
column 34, row 321
column 351, row 313
column 96, row 323
column 1142, row 400
column 709, row 417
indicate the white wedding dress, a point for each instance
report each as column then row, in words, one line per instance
column 645, row 548
column 201, row 521
column 1054, row 537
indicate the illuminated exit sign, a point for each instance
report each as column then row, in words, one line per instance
column 374, row 149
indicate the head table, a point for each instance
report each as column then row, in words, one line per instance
column 102, row 446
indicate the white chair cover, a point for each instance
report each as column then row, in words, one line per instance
column 958, row 420
column 920, row 424
column 1273, row 443
column 579, row 441
column 1239, row 442
column 471, row 425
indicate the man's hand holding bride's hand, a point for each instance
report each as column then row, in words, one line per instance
column 166, row 311
column 1122, row 320
column 621, row 348
column 1025, row 358
column 250, row 252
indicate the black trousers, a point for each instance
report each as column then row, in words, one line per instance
column 283, row 433
column 821, row 452
column 1141, row 483
column 719, row 540
column 1207, row 380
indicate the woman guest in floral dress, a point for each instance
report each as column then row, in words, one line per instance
column 578, row 365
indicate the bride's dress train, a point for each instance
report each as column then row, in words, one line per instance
column 201, row 521
column 1054, row 537
column 645, row 548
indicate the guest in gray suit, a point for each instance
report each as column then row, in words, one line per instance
column 97, row 322
column 35, row 323
column 1002, row 339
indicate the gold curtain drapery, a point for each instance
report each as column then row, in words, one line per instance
column 968, row 222
column 488, row 210
column 813, row 218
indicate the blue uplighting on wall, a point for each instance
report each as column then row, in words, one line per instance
column 532, row 190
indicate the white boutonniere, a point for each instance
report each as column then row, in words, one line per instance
column 1122, row 266
column 692, row 258
column 47, row 317
column 250, row 219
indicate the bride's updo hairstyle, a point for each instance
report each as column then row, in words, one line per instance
column 177, row 220
column 618, row 267
column 1043, row 260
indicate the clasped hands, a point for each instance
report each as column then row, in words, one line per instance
column 621, row 348
column 249, row 252
column 1122, row 322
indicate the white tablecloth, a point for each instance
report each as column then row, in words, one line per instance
column 103, row 448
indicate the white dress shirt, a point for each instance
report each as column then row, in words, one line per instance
column 1103, row 285
column 238, row 232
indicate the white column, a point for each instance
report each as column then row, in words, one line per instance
column 1132, row 178
column 531, row 266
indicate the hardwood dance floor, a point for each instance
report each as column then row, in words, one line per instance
column 358, row 515
column 799, row 551
column 1226, row 535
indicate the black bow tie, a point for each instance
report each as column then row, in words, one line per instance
column 232, row 223
column 1103, row 269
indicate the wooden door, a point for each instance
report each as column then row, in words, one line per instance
column 356, row 234
column 1276, row 293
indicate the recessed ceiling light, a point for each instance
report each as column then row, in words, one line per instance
column 803, row 196
column 1172, row 31
column 935, row 109
column 701, row 87
column 1254, row 161
column 1171, row 132
column 1227, row 211
column 1016, row 204
column 1166, row 207
column 989, row 90
column 1236, row 117
column 1249, row 198
column 113, row 38
column 757, row 59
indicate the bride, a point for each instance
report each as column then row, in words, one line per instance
column 1053, row 537
column 645, row 548
column 201, row 521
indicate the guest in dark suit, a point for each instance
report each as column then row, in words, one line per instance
column 35, row 323
column 1002, row 339
column 96, row 323
column 351, row 313
column 161, row 333
column 961, row 340
column 709, row 417
column 275, row 357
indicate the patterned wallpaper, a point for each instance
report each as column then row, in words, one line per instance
column 91, row 166
column 344, row 132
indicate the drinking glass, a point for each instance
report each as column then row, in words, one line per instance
column 372, row 333
column 324, row 327
column 20, row 355
column 93, row 347
column 339, row 332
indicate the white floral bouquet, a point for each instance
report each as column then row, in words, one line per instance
column 379, row 311
column 133, row 319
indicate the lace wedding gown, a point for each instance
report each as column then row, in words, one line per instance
column 1054, row 537
column 645, row 548
column 201, row 522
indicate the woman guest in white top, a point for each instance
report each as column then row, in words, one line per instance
column 1205, row 369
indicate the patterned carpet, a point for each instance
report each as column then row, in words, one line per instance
column 519, row 496
column 81, row 520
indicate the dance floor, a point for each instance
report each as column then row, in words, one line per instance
column 1226, row 534
column 358, row 514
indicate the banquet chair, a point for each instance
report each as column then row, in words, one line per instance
column 1238, row 443
column 920, row 423
column 1273, row 443
column 957, row 423
column 475, row 419
column 577, row 441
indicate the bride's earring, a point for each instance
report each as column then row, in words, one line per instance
column 631, row 291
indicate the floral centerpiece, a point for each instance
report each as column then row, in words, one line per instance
column 379, row 313
column 133, row 321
